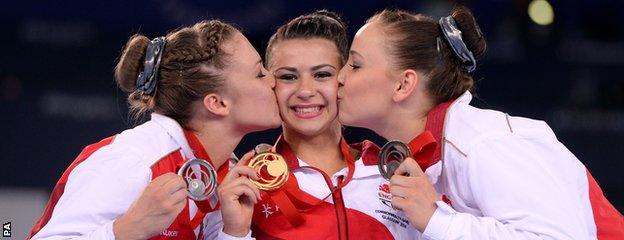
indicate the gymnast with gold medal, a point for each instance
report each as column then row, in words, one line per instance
column 318, row 187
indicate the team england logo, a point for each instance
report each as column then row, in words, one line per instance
column 384, row 194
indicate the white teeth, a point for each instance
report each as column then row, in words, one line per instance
column 307, row 109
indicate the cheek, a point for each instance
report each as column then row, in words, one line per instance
column 356, row 86
column 282, row 93
column 330, row 94
column 330, row 89
column 368, row 89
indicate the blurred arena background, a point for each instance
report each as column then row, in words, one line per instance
column 560, row 61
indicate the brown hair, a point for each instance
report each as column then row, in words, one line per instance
column 413, row 44
column 320, row 24
column 189, row 69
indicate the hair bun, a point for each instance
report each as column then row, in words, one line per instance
column 131, row 62
column 471, row 32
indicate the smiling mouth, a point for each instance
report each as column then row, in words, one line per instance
column 307, row 111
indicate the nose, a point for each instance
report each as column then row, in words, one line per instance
column 306, row 88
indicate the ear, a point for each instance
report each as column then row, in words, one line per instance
column 408, row 82
column 216, row 104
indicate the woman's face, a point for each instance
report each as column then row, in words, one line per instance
column 249, row 87
column 366, row 81
column 306, row 84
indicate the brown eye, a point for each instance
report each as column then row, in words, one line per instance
column 322, row 75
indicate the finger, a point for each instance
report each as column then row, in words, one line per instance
column 244, row 181
column 174, row 184
column 179, row 196
column 253, row 187
column 239, row 171
column 399, row 191
column 163, row 179
column 399, row 203
column 242, row 190
column 178, row 207
column 245, row 159
column 246, row 171
column 410, row 167
column 400, row 180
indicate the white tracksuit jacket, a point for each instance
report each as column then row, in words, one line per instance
column 108, row 176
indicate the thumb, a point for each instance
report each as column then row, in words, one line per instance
column 245, row 159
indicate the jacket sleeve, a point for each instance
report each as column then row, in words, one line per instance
column 98, row 190
column 520, row 191
column 224, row 236
column 213, row 229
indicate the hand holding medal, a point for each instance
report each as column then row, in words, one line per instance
column 270, row 167
column 200, row 177
column 239, row 190
column 411, row 190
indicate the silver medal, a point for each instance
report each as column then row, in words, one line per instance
column 391, row 156
column 200, row 177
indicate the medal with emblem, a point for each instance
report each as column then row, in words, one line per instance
column 270, row 167
column 200, row 177
column 391, row 156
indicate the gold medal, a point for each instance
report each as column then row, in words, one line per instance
column 270, row 167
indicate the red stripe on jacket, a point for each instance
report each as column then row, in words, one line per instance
column 59, row 189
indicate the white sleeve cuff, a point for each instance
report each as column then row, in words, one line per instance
column 103, row 232
column 440, row 222
column 224, row 236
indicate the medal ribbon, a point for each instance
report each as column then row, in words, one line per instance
column 292, row 200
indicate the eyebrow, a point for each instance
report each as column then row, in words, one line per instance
column 292, row 69
column 317, row 67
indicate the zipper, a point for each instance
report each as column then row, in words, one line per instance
column 336, row 193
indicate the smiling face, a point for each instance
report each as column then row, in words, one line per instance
column 366, row 80
column 306, row 83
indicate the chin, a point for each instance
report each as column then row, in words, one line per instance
column 307, row 130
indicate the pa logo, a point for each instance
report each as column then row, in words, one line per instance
column 6, row 229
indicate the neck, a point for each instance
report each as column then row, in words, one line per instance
column 218, row 139
column 403, row 125
column 321, row 151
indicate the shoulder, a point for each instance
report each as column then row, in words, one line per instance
column 468, row 127
column 139, row 147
